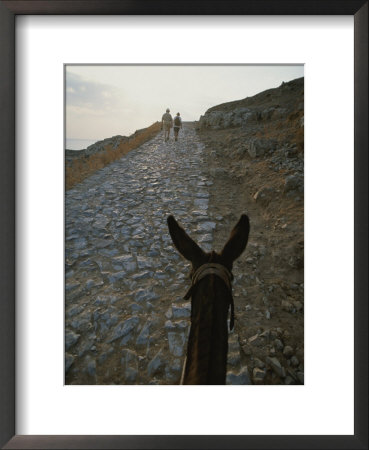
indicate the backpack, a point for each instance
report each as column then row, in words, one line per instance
column 177, row 121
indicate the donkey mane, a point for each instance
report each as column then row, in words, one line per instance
column 211, row 297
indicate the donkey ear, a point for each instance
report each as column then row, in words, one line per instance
column 237, row 241
column 183, row 243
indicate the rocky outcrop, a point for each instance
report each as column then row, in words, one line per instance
column 223, row 119
column 239, row 117
column 102, row 146
column 273, row 104
column 259, row 147
column 99, row 146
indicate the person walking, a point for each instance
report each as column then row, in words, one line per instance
column 166, row 123
column 177, row 126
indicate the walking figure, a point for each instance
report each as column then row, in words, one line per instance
column 177, row 126
column 166, row 123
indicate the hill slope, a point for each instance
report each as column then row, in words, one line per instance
column 255, row 154
column 79, row 164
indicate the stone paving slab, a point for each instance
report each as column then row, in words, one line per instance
column 126, row 321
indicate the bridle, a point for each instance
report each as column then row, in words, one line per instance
column 213, row 269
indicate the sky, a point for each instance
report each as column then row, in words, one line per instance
column 106, row 100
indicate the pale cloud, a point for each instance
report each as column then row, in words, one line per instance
column 91, row 95
column 93, row 109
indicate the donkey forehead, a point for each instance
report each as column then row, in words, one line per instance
column 213, row 255
column 209, row 257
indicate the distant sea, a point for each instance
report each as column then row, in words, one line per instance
column 79, row 144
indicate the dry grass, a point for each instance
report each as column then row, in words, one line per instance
column 84, row 166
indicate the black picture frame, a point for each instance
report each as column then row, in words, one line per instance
column 8, row 11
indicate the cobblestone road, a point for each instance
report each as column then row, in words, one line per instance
column 125, row 318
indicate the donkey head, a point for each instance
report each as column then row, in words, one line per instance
column 188, row 248
column 211, row 297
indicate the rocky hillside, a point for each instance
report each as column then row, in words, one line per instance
column 268, row 127
column 268, row 105
column 82, row 163
column 255, row 157
column 111, row 143
column 99, row 146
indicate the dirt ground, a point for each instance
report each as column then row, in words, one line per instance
column 270, row 310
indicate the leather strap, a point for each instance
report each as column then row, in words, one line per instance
column 213, row 269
